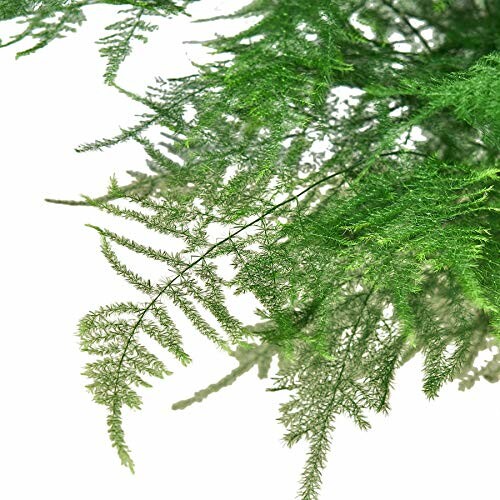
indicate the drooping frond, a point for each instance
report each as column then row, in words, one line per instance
column 132, row 27
column 248, row 356
column 48, row 20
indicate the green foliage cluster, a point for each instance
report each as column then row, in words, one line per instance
column 48, row 20
column 363, row 245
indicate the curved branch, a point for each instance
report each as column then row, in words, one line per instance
column 213, row 247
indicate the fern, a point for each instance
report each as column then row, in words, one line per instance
column 48, row 22
column 51, row 19
column 363, row 245
column 118, row 45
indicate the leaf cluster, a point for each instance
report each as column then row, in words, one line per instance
column 347, row 153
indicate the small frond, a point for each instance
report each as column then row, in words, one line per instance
column 248, row 356
column 47, row 24
column 118, row 45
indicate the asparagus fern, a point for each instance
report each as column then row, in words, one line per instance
column 363, row 246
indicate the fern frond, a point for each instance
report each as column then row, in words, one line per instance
column 48, row 20
column 118, row 46
column 248, row 356
column 110, row 334
column 48, row 23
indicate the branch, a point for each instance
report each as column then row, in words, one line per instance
column 414, row 30
column 241, row 369
column 103, row 199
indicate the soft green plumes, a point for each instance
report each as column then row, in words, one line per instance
column 410, row 237
column 10, row 10
column 132, row 27
column 395, row 226
column 354, row 182
column 49, row 20
column 117, row 46
column 474, row 96
column 110, row 334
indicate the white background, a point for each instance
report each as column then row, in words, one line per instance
column 53, row 437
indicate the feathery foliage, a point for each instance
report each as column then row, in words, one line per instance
column 347, row 152
column 52, row 19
